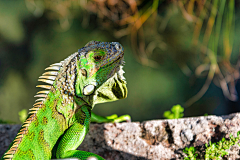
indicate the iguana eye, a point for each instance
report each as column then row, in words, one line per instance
column 84, row 72
column 97, row 58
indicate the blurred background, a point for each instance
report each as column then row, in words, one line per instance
column 176, row 52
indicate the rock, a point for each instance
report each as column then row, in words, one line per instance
column 150, row 140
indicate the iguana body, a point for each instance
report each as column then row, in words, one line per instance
column 60, row 118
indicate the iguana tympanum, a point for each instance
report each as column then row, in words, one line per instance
column 60, row 118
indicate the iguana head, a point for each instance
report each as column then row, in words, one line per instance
column 99, row 72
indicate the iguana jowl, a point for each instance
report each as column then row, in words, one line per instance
column 60, row 118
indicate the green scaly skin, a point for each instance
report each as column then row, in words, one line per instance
column 60, row 118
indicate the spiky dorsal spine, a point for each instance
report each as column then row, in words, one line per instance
column 48, row 77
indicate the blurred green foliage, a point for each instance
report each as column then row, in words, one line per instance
column 4, row 122
column 22, row 115
column 175, row 113
column 174, row 51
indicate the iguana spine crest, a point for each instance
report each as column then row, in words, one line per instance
column 49, row 78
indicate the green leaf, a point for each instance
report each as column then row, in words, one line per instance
column 22, row 115
column 238, row 133
column 175, row 113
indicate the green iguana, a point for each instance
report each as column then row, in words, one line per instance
column 60, row 118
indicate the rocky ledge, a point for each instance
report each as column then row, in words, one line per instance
column 150, row 140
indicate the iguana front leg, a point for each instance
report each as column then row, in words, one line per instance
column 109, row 119
column 74, row 136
